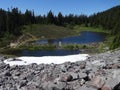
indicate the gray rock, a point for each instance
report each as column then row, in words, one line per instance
column 17, row 74
column 63, row 68
column 4, row 66
column 23, row 83
column 82, row 81
column 2, row 58
column 74, row 75
column 87, row 88
column 98, row 82
column 61, row 85
column 65, row 78
column 48, row 86
column 112, row 82
column 7, row 73
column 82, row 75
column 82, row 65
column 91, row 75
column 105, row 88
column 30, row 88
column 68, row 87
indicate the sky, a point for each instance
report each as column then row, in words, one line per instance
column 77, row 7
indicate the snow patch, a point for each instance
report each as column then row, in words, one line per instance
column 46, row 59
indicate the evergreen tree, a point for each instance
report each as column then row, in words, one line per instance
column 60, row 19
column 50, row 18
column 28, row 17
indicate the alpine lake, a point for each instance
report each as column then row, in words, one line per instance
column 85, row 37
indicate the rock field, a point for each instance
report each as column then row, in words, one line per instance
column 98, row 72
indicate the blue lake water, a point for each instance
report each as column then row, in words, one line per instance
column 49, row 53
column 84, row 38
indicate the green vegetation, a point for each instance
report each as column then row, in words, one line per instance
column 10, row 51
column 75, row 46
column 90, row 48
column 116, row 42
column 39, row 31
column 20, row 27
column 37, row 47
column 80, row 28
column 48, row 31
column 109, row 20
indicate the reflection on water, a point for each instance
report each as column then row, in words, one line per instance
column 49, row 53
column 84, row 38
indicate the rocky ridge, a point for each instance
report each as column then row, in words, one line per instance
column 99, row 72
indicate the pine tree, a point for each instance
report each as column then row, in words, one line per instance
column 60, row 19
column 50, row 18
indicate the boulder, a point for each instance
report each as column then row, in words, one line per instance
column 82, row 75
column 23, row 83
column 2, row 58
column 65, row 78
column 98, row 82
column 74, row 75
column 82, row 81
column 30, row 88
column 60, row 85
column 82, row 65
column 48, row 86
column 112, row 82
column 105, row 88
column 86, row 88
column 7, row 73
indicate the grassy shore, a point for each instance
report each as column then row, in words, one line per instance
column 80, row 28
column 84, row 48
column 48, row 31
column 52, row 31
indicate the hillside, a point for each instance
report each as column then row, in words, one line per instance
column 48, row 31
column 109, row 20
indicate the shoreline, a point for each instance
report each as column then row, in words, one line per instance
column 90, row 48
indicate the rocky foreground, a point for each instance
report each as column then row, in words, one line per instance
column 99, row 72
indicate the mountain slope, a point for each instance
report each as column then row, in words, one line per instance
column 109, row 20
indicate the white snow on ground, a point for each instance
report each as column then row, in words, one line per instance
column 46, row 59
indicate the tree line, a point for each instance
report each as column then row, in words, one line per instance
column 108, row 20
column 12, row 20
